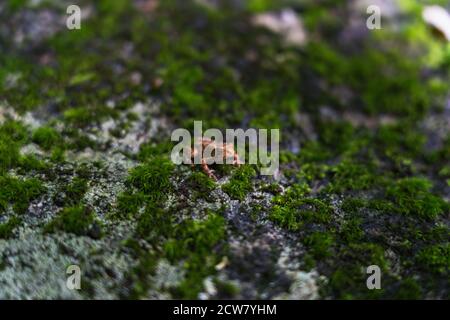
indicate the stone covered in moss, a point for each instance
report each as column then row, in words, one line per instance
column 85, row 175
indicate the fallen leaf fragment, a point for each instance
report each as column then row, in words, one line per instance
column 285, row 23
column 438, row 18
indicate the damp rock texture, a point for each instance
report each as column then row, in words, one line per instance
column 86, row 177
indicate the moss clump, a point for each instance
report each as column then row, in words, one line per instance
column 336, row 137
column 78, row 220
column 9, row 155
column 14, row 131
column 85, row 170
column 293, row 210
column 16, row 4
column 319, row 244
column 343, row 282
column 78, row 140
column 31, row 163
column 153, row 178
column 152, row 183
column 195, row 242
column 128, row 204
column 78, row 117
column 200, row 185
column 46, row 137
column 227, row 290
column 351, row 230
column 363, row 252
column 12, row 136
column 273, row 188
column 151, row 150
column 435, row 258
column 400, row 141
column 58, row 155
column 72, row 193
column 352, row 176
column 405, row 96
column 154, row 224
column 18, row 193
column 240, row 183
column 348, row 281
column 352, row 205
column 412, row 196
column 7, row 228
column 409, row 289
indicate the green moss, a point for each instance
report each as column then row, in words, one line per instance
column 7, row 228
column 72, row 193
column 140, row 273
column 313, row 151
column 58, row 155
column 348, row 281
column 80, row 78
column 225, row 289
column 18, row 193
column 351, row 230
column 310, row 172
column 352, row 205
column 260, row 5
column 14, row 131
column 78, row 116
column 365, row 254
column 251, row 79
column 403, row 94
column 152, row 183
column 293, row 210
column 16, row 4
column 155, row 224
column 9, row 155
column 369, row 72
column 412, row 196
column 240, row 183
column 46, row 137
column 445, row 171
column 200, row 184
column 129, row 204
column 343, row 282
column 25, row 94
column 78, row 140
column 439, row 232
column 319, row 244
column 31, row 163
column 12, row 136
column 85, row 169
column 409, row 289
column 352, row 176
column 78, row 220
column 195, row 242
column 153, row 178
column 336, row 136
column 400, row 139
column 195, row 236
column 435, row 258
column 308, row 262
column 273, row 188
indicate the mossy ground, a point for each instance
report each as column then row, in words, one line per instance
column 85, row 122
